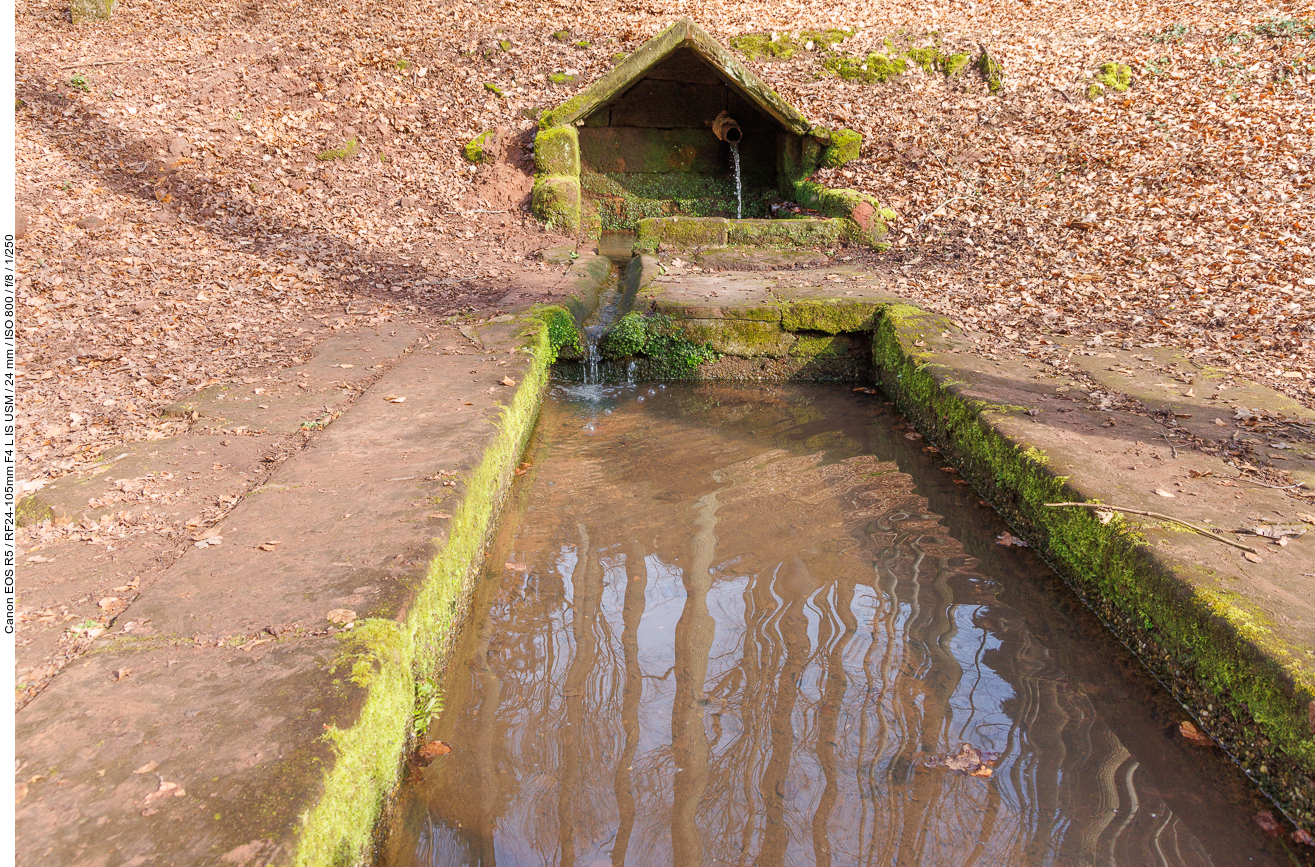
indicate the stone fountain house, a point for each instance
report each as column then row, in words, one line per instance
column 647, row 148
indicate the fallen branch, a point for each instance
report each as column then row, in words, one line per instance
column 1202, row 530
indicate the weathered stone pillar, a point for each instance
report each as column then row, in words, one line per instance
column 556, row 196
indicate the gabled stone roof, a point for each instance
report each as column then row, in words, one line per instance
column 683, row 34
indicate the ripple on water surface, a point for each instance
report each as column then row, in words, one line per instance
column 762, row 625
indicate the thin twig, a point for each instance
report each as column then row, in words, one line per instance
column 1203, row 531
column 1171, row 445
column 1267, row 485
column 115, row 61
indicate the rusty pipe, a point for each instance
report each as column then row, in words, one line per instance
column 726, row 129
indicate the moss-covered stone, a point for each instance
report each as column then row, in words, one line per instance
column 1115, row 76
column 741, row 338
column 555, row 199
column 1197, row 641
column 681, row 233
column 564, row 338
column 821, row 346
column 873, row 69
column 81, row 11
column 561, row 35
column 557, row 151
column 30, row 511
column 563, row 78
column 783, row 46
column 993, row 72
column 786, row 233
column 386, row 658
column 955, row 64
column 479, row 149
column 844, row 147
column 933, row 60
column 831, row 316
column 663, row 343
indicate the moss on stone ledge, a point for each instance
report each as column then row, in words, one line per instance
column 1203, row 647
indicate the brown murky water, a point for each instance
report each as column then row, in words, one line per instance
column 756, row 625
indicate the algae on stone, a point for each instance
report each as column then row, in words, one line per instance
column 475, row 150
column 783, row 46
column 993, row 73
column 555, row 200
column 557, row 151
column 844, row 147
column 873, row 69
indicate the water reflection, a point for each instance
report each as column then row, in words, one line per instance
column 733, row 631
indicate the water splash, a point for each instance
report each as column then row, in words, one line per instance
column 739, row 198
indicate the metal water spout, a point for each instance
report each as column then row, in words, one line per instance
column 726, row 129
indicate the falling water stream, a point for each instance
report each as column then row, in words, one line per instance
column 739, row 196
column 727, row 624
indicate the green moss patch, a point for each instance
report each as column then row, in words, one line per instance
column 555, row 199
column 477, row 149
column 346, row 152
column 661, row 341
column 873, row 69
column 783, row 46
column 1115, row 76
column 993, row 72
column 844, row 147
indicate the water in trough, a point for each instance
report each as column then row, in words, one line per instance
column 728, row 624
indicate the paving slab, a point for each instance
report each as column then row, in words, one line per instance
column 303, row 396
column 251, row 703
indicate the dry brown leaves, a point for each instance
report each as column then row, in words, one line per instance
column 1176, row 213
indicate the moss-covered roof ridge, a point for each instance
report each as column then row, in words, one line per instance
column 685, row 33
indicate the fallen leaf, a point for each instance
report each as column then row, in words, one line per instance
column 1303, row 837
column 431, row 751
column 147, row 768
column 267, row 546
column 120, row 673
column 39, row 559
column 1103, row 516
column 108, row 602
column 507, row 380
column 515, row 567
column 1194, row 735
column 392, row 398
column 342, row 616
column 1198, row 474
column 167, row 789
column 968, row 759
column 1265, row 819
column 1010, row 540
column 1163, row 493
column 1253, row 557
